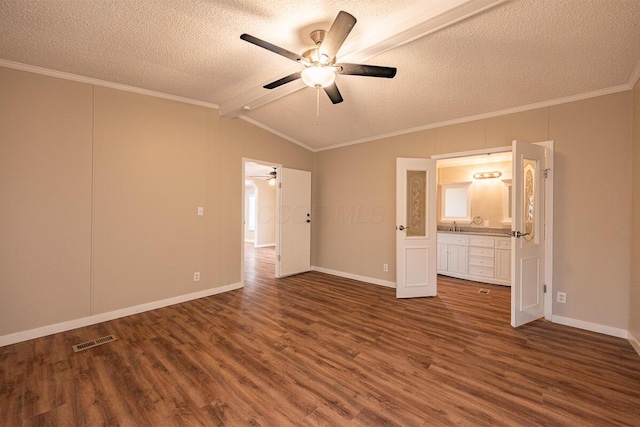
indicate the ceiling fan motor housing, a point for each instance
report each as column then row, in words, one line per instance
column 318, row 36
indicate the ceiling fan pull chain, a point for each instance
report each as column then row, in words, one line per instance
column 317, row 106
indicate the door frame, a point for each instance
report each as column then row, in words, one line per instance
column 278, row 170
column 548, row 212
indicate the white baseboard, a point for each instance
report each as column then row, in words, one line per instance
column 634, row 342
column 103, row 317
column 593, row 327
column 366, row 279
column 265, row 245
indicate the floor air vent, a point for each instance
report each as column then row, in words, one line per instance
column 94, row 343
column 484, row 291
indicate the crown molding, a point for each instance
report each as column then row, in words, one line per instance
column 528, row 107
column 277, row 133
column 103, row 83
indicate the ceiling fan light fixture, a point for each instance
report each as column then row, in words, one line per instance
column 318, row 76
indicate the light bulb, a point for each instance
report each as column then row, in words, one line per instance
column 318, row 76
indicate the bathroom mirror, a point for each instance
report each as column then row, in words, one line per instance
column 506, row 202
column 456, row 202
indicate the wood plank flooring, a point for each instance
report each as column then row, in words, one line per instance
column 318, row 350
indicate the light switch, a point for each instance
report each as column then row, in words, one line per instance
column 200, row 211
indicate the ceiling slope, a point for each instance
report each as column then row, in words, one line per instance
column 456, row 59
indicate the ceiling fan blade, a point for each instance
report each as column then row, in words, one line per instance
column 336, row 35
column 284, row 80
column 366, row 70
column 333, row 93
column 272, row 47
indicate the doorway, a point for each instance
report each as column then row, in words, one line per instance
column 526, row 304
column 487, row 249
column 260, row 213
column 283, row 224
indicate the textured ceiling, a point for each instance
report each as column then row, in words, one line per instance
column 514, row 53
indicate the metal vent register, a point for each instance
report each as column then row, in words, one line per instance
column 94, row 343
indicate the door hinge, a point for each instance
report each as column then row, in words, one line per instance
column 278, row 257
column 279, row 185
column 546, row 173
column 545, row 289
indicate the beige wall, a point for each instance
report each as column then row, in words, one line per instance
column 592, row 198
column 634, row 297
column 265, row 232
column 45, row 200
column 249, row 235
column 592, row 223
column 99, row 191
column 266, row 213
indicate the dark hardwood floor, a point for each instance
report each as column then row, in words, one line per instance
column 315, row 349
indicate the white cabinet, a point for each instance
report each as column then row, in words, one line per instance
column 475, row 257
column 457, row 259
column 481, row 255
column 503, row 259
column 443, row 256
column 452, row 253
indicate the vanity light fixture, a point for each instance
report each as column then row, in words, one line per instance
column 487, row 175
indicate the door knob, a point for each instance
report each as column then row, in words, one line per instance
column 402, row 228
column 518, row 234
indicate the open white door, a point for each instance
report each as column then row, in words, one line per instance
column 416, row 230
column 528, row 241
column 294, row 222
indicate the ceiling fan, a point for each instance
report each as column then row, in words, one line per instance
column 320, row 61
column 270, row 177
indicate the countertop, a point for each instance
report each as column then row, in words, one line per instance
column 472, row 231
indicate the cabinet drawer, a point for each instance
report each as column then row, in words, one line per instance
column 485, row 242
column 481, row 261
column 503, row 243
column 475, row 270
column 452, row 239
column 475, row 251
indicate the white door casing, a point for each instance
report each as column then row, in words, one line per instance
column 416, row 228
column 528, row 236
column 294, row 222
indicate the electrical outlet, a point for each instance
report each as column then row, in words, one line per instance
column 196, row 276
column 385, row 267
column 561, row 297
column 200, row 211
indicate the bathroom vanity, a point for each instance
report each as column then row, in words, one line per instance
column 475, row 256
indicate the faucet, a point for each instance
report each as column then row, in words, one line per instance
column 454, row 226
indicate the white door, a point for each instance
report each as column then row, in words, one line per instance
column 416, row 238
column 294, row 222
column 528, row 241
